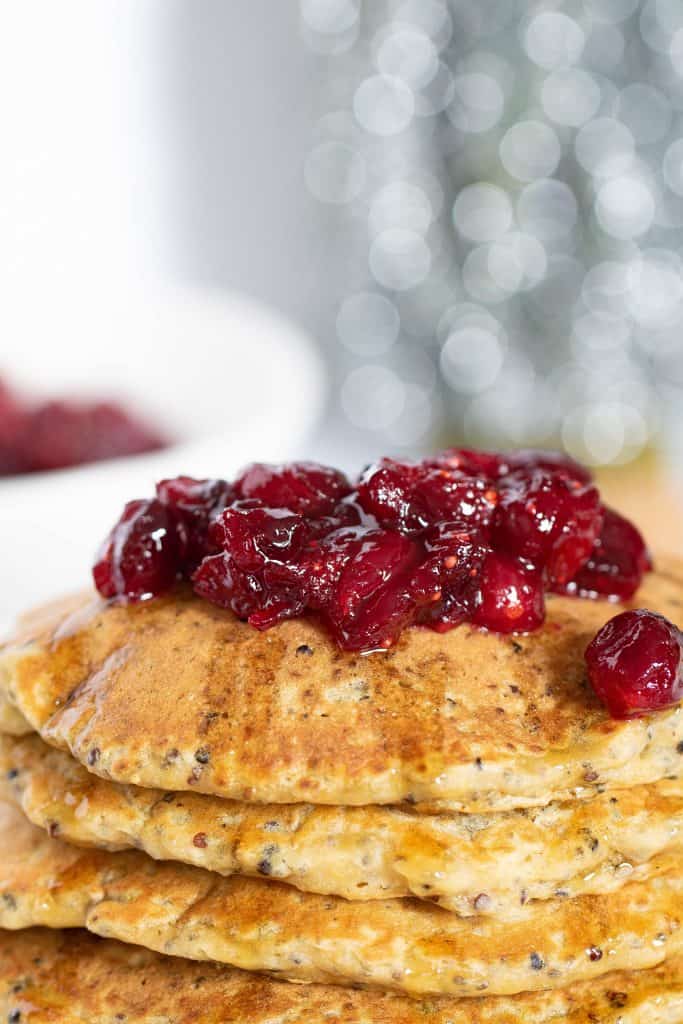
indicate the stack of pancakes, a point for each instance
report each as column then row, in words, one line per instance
column 451, row 831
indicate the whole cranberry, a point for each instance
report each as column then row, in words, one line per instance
column 634, row 664
column 443, row 584
column 255, row 536
column 303, row 487
column 617, row 563
column 248, row 594
column 508, row 598
column 257, row 571
column 449, row 496
column 548, row 520
column 140, row 558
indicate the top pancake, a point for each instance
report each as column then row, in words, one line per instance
column 178, row 694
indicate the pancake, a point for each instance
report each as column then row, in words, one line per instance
column 472, row 864
column 178, row 694
column 12, row 722
column 72, row 977
column 267, row 926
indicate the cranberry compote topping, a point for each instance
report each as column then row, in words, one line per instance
column 57, row 434
column 61, row 434
column 140, row 558
column 13, row 419
column 462, row 536
column 634, row 664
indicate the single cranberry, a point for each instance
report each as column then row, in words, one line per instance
column 372, row 602
column 194, row 504
column 508, row 598
column 324, row 561
column 449, row 496
column 617, row 563
column 386, row 490
column 255, row 536
column 443, row 585
column 140, row 559
column 548, row 520
column 302, row 487
column 257, row 572
column 634, row 664
column 220, row 580
column 61, row 434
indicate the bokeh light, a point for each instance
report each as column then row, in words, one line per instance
column 504, row 188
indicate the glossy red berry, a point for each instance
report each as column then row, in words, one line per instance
column 140, row 559
column 387, row 491
column 445, row 584
column 466, row 461
column 371, row 602
column 617, row 562
column 508, row 598
column 551, row 462
column 634, row 664
column 256, row 536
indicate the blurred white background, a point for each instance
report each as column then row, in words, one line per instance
column 156, row 245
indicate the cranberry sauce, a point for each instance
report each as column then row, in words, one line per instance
column 57, row 434
column 462, row 536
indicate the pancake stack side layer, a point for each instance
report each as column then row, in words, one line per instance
column 195, row 815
